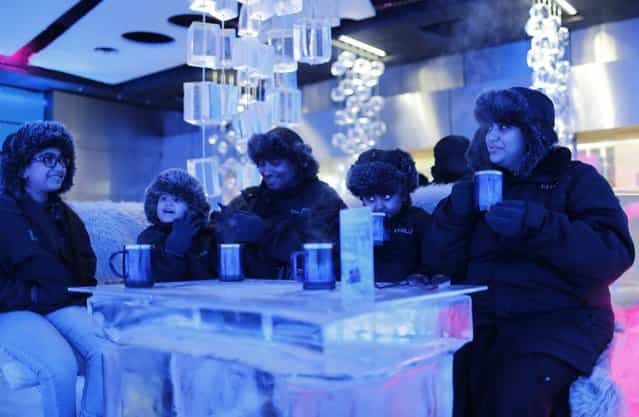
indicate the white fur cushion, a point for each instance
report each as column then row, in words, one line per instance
column 597, row 395
column 110, row 226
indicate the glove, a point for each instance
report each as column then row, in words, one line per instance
column 462, row 197
column 182, row 232
column 515, row 218
column 238, row 226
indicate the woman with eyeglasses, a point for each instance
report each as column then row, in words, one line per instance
column 383, row 181
column 44, row 249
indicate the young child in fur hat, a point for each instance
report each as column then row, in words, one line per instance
column 383, row 181
column 547, row 254
column 184, row 248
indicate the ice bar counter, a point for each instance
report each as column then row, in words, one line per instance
column 270, row 348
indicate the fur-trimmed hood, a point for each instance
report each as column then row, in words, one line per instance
column 180, row 184
column 530, row 110
column 378, row 172
column 20, row 147
column 283, row 143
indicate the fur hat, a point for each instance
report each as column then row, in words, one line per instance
column 378, row 172
column 20, row 147
column 283, row 143
column 530, row 110
column 179, row 183
column 450, row 159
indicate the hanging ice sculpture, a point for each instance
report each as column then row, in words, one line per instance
column 360, row 104
column 547, row 58
column 249, row 84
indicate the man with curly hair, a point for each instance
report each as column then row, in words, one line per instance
column 44, row 249
column 289, row 208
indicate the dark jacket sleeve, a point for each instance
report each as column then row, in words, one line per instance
column 165, row 266
column 591, row 241
column 85, row 261
column 285, row 235
column 14, row 294
column 447, row 247
column 423, row 223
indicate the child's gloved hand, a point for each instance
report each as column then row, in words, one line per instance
column 183, row 230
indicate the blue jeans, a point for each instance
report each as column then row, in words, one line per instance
column 53, row 347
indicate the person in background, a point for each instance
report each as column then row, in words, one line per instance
column 183, row 247
column 383, row 181
column 290, row 207
column 547, row 253
column 422, row 180
column 450, row 166
column 45, row 249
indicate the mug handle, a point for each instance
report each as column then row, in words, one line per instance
column 113, row 269
column 294, row 256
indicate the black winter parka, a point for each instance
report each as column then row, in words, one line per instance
column 51, row 254
column 307, row 213
column 548, row 290
column 200, row 262
column 402, row 254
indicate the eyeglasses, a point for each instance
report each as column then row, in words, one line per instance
column 427, row 283
column 50, row 160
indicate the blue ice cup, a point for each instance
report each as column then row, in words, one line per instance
column 318, row 273
column 230, row 266
column 488, row 189
column 380, row 235
column 136, row 266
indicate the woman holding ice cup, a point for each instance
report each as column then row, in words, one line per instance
column 547, row 253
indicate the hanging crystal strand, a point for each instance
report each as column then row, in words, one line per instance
column 203, row 127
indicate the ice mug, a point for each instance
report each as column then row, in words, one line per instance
column 136, row 266
column 488, row 189
column 318, row 266
column 380, row 235
column 230, row 256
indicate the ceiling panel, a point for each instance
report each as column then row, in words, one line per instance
column 73, row 52
column 20, row 24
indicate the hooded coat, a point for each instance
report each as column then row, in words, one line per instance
column 548, row 289
column 44, row 248
column 200, row 261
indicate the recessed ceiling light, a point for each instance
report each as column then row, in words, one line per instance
column 567, row 7
column 147, row 37
column 105, row 50
column 185, row 20
column 362, row 45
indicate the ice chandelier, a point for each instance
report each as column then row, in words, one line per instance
column 547, row 58
column 249, row 78
column 357, row 93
